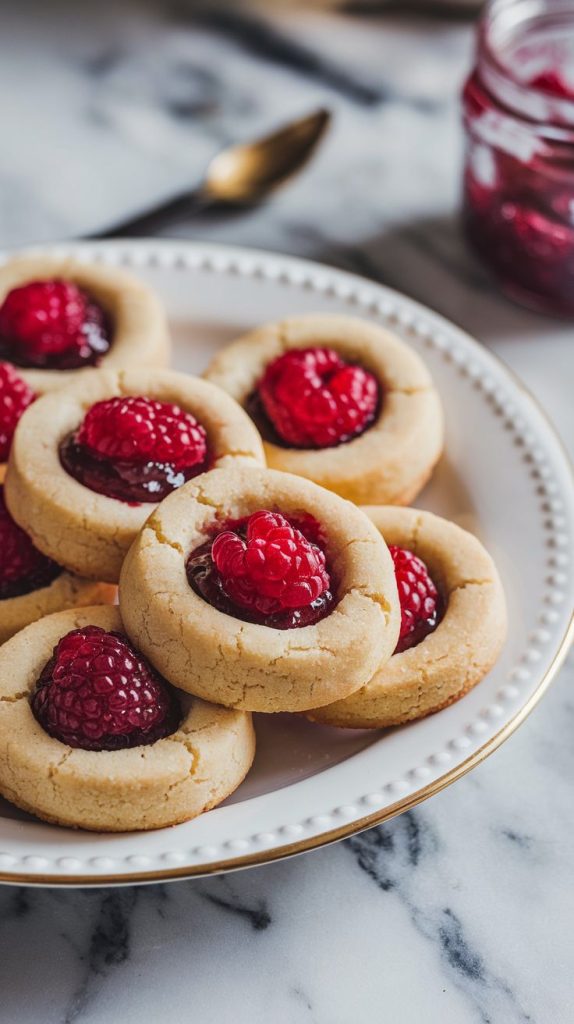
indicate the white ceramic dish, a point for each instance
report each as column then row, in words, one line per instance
column 504, row 476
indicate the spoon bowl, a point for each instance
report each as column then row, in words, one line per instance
column 248, row 172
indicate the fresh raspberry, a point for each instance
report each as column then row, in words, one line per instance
column 314, row 399
column 52, row 324
column 15, row 397
column 22, row 567
column 421, row 604
column 98, row 693
column 273, row 569
column 142, row 430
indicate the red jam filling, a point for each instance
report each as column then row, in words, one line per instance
column 135, row 449
column 15, row 397
column 422, row 607
column 98, row 693
column 23, row 568
column 553, row 83
column 312, row 398
column 519, row 198
column 265, row 570
column 53, row 325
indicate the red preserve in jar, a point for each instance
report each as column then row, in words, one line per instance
column 519, row 168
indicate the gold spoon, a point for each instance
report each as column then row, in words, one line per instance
column 242, row 174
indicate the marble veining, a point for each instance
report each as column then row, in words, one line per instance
column 458, row 911
column 389, row 854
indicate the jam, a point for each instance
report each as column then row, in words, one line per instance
column 132, row 482
column 424, row 626
column 135, row 449
column 519, row 170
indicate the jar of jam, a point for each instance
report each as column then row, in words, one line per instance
column 519, row 168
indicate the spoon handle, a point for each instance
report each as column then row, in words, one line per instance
column 159, row 217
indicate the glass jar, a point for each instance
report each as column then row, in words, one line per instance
column 519, row 169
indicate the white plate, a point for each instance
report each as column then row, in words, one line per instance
column 504, row 476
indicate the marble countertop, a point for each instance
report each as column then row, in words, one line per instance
column 459, row 911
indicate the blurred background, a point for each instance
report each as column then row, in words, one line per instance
column 109, row 107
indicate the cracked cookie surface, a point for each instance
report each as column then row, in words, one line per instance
column 463, row 647
column 66, row 591
column 241, row 664
column 87, row 532
column 139, row 325
column 391, row 461
column 145, row 787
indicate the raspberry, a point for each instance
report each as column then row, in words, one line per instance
column 273, row 569
column 52, row 324
column 98, row 693
column 314, row 399
column 421, row 604
column 15, row 397
column 142, row 430
column 22, row 567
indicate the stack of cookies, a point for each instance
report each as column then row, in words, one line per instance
column 254, row 525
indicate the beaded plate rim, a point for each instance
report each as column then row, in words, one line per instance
column 546, row 464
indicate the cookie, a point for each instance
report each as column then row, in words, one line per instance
column 32, row 586
column 462, row 649
column 125, row 312
column 251, row 665
column 394, row 455
column 65, row 592
column 89, row 532
column 142, row 787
